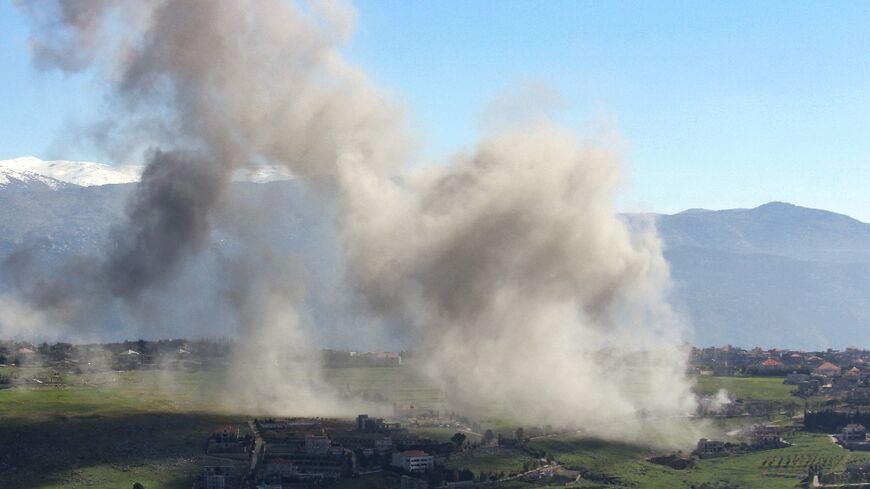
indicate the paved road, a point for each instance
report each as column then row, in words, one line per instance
column 255, row 455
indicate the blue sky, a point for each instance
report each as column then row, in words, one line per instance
column 726, row 104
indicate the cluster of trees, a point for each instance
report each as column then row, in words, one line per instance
column 6, row 379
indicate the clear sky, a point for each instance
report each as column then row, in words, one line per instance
column 722, row 104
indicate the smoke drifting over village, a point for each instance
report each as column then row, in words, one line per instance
column 506, row 268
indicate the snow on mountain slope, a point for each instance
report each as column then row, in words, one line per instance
column 81, row 173
column 88, row 174
column 25, row 180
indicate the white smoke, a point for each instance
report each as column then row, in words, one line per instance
column 523, row 292
column 528, row 297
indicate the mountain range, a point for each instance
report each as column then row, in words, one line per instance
column 776, row 275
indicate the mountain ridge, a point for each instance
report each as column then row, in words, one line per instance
column 777, row 274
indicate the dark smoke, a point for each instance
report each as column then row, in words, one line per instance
column 167, row 220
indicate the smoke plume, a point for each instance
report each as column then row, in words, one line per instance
column 527, row 296
column 524, row 294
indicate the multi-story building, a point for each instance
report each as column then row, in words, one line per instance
column 414, row 461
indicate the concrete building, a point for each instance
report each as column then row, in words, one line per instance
column 278, row 467
column 853, row 432
column 413, row 461
column 215, row 477
column 226, row 436
column 710, row 448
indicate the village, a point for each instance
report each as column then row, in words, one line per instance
column 423, row 444
column 830, row 377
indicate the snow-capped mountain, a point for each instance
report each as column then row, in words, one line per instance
column 80, row 173
column 25, row 180
column 53, row 174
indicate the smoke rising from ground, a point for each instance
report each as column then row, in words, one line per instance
column 521, row 289
column 528, row 297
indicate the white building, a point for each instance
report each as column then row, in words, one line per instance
column 280, row 467
column 316, row 445
column 414, row 461
column 215, row 477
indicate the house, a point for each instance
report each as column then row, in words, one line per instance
column 316, row 445
column 853, row 432
column 827, row 369
column 795, row 378
column 710, row 448
column 771, row 365
column 226, row 436
column 384, row 445
column 279, row 467
column 815, row 361
column 413, row 461
column 374, row 425
column 215, row 477
column 25, row 356
column 766, row 437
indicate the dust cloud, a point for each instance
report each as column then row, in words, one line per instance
column 522, row 292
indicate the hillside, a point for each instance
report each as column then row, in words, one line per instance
column 776, row 275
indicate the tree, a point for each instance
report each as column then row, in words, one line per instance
column 520, row 434
column 488, row 436
column 458, row 439
column 137, row 485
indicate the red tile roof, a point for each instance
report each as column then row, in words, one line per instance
column 414, row 453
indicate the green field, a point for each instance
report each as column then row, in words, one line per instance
column 782, row 468
column 107, row 430
column 755, row 388
column 113, row 429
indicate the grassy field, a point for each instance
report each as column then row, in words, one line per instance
column 107, row 430
column 756, row 388
column 390, row 383
column 489, row 460
column 773, row 469
column 113, row 429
